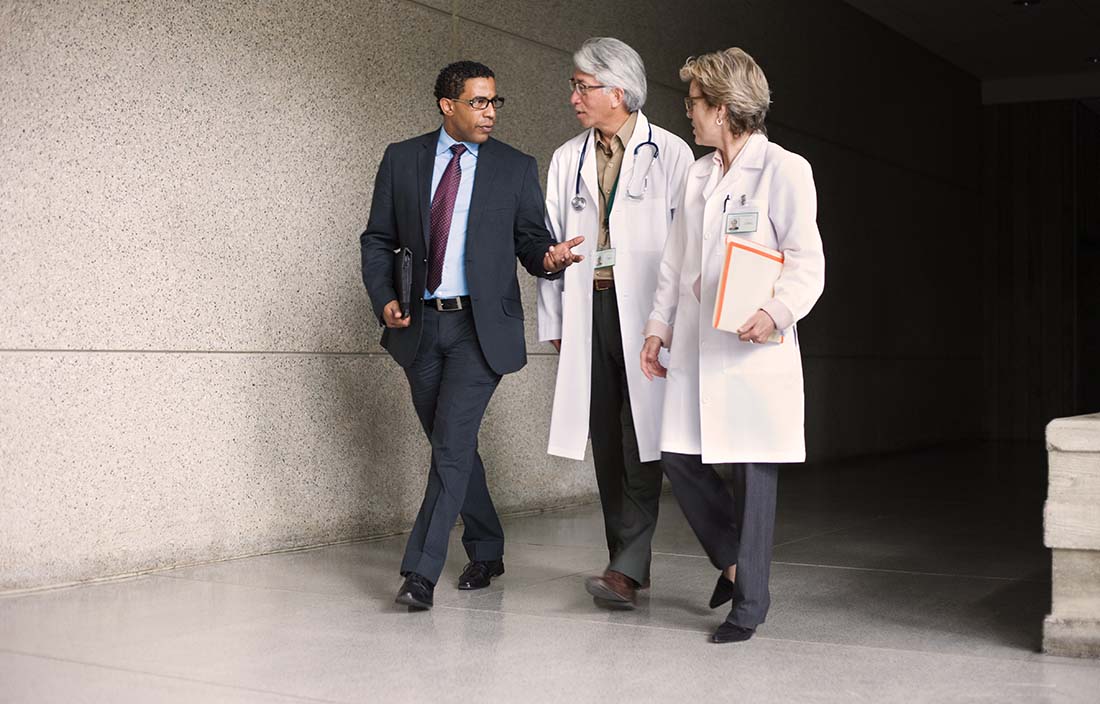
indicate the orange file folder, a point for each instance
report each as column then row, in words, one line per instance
column 748, row 282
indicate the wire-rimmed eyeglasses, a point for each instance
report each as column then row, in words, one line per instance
column 689, row 101
column 580, row 87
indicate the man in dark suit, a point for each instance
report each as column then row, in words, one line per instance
column 467, row 206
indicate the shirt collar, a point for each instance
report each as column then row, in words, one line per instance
column 624, row 132
column 446, row 140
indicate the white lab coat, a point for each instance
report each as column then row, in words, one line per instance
column 727, row 400
column 638, row 232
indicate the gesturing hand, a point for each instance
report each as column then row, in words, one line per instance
column 561, row 255
column 650, row 366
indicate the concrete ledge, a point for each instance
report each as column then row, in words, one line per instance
column 1074, row 478
column 1075, row 638
column 1071, row 527
column 1076, row 583
column 1074, row 434
column 1067, row 525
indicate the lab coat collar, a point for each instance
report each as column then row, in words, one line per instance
column 751, row 156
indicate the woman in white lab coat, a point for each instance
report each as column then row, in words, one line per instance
column 734, row 397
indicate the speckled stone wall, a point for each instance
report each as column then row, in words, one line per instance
column 188, row 370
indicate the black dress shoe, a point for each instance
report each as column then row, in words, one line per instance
column 416, row 593
column 723, row 592
column 479, row 573
column 732, row 633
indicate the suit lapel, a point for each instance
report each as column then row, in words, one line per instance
column 483, row 185
column 425, row 164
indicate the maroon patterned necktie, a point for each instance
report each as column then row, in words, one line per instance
column 443, row 206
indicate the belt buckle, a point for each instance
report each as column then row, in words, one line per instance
column 445, row 305
column 602, row 284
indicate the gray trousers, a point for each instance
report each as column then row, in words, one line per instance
column 630, row 490
column 451, row 385
column 735, row 529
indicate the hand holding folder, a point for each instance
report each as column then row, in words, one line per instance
column 396, row 312
column 747, row 283
column 402, row 278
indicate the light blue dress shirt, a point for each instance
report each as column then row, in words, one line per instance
column 454, row 261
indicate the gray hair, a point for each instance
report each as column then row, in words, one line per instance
column 616, row 65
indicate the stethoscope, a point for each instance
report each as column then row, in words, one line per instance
column 579, row 202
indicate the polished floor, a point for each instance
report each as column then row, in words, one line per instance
column 912, row 578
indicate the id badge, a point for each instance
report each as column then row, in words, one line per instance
column 741, row 223
column 605, row 258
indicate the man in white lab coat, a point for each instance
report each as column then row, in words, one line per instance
column 616, row 184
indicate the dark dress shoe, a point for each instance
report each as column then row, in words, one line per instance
column 416, row 593
column 613, row 590
column 723, row 592
column 732, row 633
column 479, row 573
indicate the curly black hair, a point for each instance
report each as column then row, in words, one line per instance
column 452, row 79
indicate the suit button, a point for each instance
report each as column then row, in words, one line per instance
column 425, row 261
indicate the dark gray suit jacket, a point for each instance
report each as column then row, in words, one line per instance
column 506, row 223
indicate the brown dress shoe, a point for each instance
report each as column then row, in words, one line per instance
column 614, row 590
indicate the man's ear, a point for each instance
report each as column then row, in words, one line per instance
column 447, row 106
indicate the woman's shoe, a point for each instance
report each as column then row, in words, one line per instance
column 723, row 592
column 732, row 633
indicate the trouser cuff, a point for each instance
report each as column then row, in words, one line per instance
column 484, row 550
column 425, row 566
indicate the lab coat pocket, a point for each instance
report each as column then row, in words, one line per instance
column 752, row 358
column 644, row 188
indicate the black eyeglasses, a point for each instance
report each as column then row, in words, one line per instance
column 581, row 88
column 481, row 102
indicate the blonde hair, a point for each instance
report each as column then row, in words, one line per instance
column 731, row 78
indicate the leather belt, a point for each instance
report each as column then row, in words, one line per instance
column 603, row 284
column 448, row 304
